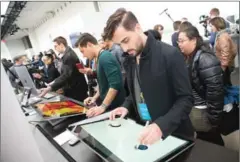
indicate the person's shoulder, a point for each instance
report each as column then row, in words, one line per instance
column 208, row 59
column 116, row 47
column 167, row 49
column 105, row 55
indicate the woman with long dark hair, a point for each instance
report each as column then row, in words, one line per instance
column 207, row 84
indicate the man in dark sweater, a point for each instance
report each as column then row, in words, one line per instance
column 110, row 84
column 160, row 90
column 176, row 26
column 72, row 82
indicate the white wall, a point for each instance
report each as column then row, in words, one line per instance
column 17, row 141
column 5, row 52
column 65, row 22
column 148, row 12
column 15, row 47
column 81, row 17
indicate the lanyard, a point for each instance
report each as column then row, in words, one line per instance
column 142, row 100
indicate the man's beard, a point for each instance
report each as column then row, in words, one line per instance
column 139, row 50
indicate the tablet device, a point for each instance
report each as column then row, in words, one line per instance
column 118, row 144
column 61, row 109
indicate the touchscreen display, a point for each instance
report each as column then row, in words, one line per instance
column 59, row 109
column 119, row 143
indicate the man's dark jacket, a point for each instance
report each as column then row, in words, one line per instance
column 71, row 80
column 165, row 85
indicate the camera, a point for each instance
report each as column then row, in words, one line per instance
column 203, row 19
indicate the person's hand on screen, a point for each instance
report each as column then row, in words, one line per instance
column 121, row 111
column 60, row 91
column 150, row 134
column 89, row 101
column 95, row 111
column 44, row 91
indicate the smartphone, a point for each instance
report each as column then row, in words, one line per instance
column 79, row 66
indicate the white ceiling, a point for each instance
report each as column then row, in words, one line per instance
column 32, row 14
column 4, row 6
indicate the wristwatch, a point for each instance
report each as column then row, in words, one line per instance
column 104, row 106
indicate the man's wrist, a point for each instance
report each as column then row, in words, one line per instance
column 50, row 88
column 104, row 106
column 95, row 98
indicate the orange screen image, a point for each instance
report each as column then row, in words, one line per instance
column 60, row 108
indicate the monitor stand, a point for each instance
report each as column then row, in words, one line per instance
column 55, row 122
column 31, row 99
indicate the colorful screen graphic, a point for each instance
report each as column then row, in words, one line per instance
column 59, row 109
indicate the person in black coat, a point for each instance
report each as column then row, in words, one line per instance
column 207, row 84
column 155, row 34
column 51, row 72
column 70, row 80
column 157, row 79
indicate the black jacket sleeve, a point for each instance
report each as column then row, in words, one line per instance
column 182, row 106
column 128, row 103
column 67, row 70
column 210, row 73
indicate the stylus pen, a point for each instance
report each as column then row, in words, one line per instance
column 147, row 123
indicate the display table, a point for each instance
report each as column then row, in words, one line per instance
column 51, row 151
column 115, row 144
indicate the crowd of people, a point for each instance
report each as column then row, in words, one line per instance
column 184, row 88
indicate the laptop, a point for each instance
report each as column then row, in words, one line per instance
column 27, row 81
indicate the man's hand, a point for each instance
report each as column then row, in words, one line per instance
column 95, row 111
column 60, row 91
column 85, row 71
column 36, row 75
column 89, row 101
column 44, row 91
column 150, row 134
column 122, row 111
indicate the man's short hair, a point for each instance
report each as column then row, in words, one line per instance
column 215, row 11
column 120, row 17
column 84, row 39
column 185, row 25
column 176, row 25
column 60, row 40
column 156, row 27
column 17, row 58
